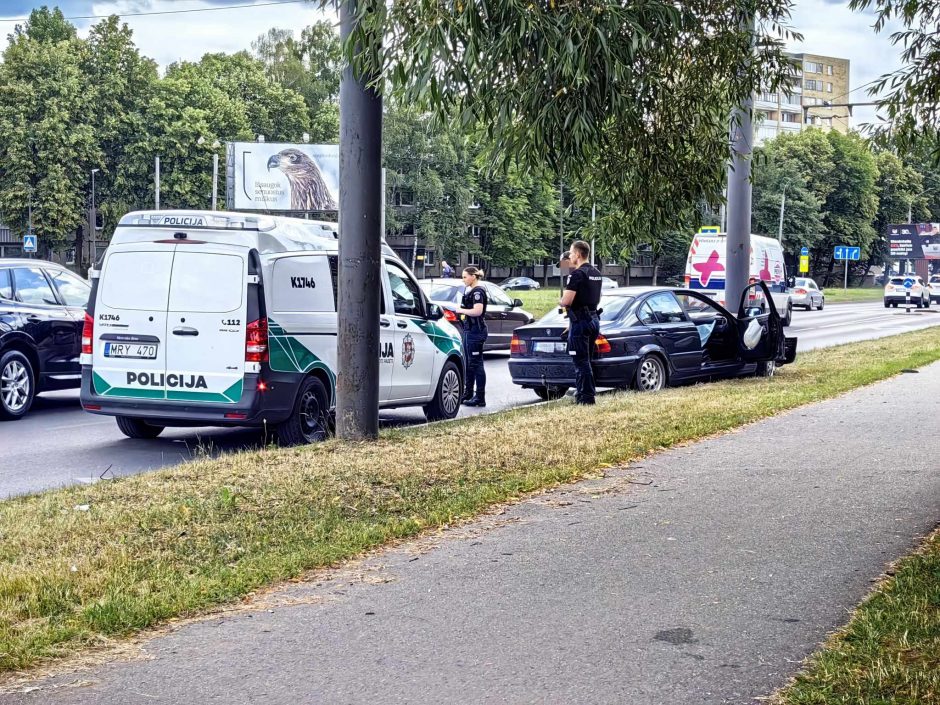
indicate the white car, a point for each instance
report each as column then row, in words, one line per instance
column 806, row 293
column 898, row 286
column 934, row 286
column 208, row 318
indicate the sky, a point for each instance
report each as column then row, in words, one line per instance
column 828, row 27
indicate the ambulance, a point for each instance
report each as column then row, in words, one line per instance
column 209, row 318
column 706, row 268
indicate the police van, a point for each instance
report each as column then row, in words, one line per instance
column 706, row 268
column 228, row 319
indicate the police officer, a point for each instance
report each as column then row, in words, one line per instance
column 581, row 297
column 472, row 313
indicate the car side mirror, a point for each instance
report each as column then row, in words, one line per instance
column 753, row 311
column 435, row 312
column 517, row 303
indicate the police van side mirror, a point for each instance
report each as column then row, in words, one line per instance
column 435, row 312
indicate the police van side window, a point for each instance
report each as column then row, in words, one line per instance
column 6, row 285
column 405, row 294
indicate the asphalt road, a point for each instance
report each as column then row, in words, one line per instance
column 59, row 444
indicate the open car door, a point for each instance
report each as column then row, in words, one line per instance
column 760, row 328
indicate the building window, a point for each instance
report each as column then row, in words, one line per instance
column 829, row 88
column 829, row 69
column 473, row 231
column 403, row 198
column 768, row 97
column 790, row 117
column 813, row 85
column 812, row 67
column 429, row 257
column 473, row 259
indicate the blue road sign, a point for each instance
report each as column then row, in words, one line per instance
column 908, row 283
column 29, row 243
column 804, row 251
column 846, row 252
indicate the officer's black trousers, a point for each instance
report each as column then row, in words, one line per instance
column 582, row 335
column 473, row 340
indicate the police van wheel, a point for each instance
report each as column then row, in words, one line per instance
column 446, row 401
column 137, row 428
column 17, row 385
column 309, row 422
column 552, row 391
column 650, row 374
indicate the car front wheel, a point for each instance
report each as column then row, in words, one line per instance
column 17, row 385
column 446, row 401
column 650, row 374
column 765, row 369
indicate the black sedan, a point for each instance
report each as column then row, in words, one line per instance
column 651, row 337
column 503, row 314
column 42, row 313
column 519, row 284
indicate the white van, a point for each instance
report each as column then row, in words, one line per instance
column 208, row 318
column 706, row 268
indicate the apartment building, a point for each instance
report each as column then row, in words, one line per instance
column 817, row 82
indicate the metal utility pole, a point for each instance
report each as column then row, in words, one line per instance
column 156, row 183
column 360, row 245
column 215, row 181
column 593, row 218
column 783, row 200
column 738, row 241
column 92, row 224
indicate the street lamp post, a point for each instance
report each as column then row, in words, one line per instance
column 92, row 224
column 783, row 200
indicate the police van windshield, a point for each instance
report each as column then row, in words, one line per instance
column 612, row 307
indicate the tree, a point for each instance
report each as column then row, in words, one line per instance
column 47, row 145
column 310, row 66
column 910, row 94
column 900, row 200
column 637, row 96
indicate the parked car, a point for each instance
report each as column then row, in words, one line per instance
column 806, row 293
column 896, row 291
column 503, row 314
column 608, row 283
column 651, row 337
column 934, row 286
column 519, row 284
column 42, row 310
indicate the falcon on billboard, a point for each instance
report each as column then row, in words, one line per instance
column 274, row 176
column 914, row 241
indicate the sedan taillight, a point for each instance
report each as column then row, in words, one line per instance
column 517, row 346
column 800, row 291
column 602, row 345
column 450, row 316
column 88, row 332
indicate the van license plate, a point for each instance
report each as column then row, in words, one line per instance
column 132, row 350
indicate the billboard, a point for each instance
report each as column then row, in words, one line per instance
column 277, row 176
column 914, row 241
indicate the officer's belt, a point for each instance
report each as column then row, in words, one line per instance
column 582, row 313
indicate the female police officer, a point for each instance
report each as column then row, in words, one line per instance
column 472, row 311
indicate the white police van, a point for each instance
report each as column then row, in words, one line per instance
column 208, row 318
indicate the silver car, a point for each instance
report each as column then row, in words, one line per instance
column 806, row 293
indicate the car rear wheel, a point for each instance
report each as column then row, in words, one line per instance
column 137, row 428
column 765, row 369
column 552, row 391
column 309, row 421
column 17, row 385
column 650, row 374
column 446, row 401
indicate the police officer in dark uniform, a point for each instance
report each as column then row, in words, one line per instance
column 472, row 313
column 581, row 297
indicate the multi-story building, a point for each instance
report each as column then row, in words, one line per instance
column 817, row 83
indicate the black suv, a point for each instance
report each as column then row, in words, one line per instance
column 42, row 312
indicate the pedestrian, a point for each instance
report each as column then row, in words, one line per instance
column 581, row 297
column 472, row 313
column 446, row 270
column 564, row 266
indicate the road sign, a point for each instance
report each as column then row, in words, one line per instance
column 29, row 243
column 709, row 229
column 804, row 264
column 909, row 283
column 848, row 253
column 804, row 251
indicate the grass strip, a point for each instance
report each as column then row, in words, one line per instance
column 835, row 294
column 538, row 302
column 81, row 565
column 890, row 651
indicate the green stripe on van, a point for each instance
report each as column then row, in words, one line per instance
column 288, row 354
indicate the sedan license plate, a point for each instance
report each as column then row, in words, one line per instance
column 550, row 347
column 141, row 351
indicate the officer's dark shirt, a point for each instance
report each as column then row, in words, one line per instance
column 585, row 282
column 476, row 295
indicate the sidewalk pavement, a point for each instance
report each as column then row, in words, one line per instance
column 704, row 574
